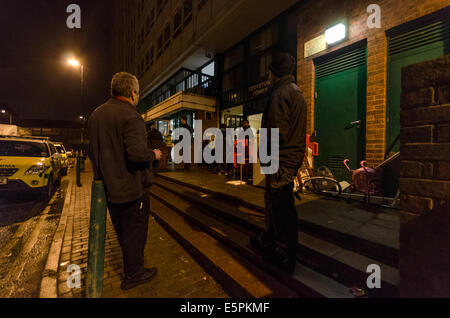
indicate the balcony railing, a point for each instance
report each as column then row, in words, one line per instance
column 184, row 81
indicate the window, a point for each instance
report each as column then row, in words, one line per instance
column 159, row 6
column 209, row 69
column 258, row 68
column 152, row 55
column 234, row 57
column 201, row 4
column 152, row 18
column 159, row 46
column 187, row 12
column 264, row 39
column 22, row 149
column 177, row 24
column 233, row 79
column 52, row 149
column 60, row 149
column 147, row 61
column 167, row 37
column 147, row 26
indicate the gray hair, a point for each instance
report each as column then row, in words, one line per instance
column 123, row 84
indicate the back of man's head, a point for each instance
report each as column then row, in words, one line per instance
column 123, row 84
column 282, row 64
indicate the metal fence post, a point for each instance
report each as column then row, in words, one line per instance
column 78, row 171
column 97, row 234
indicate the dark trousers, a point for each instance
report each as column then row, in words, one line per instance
column 130, row 221
column 281, row 218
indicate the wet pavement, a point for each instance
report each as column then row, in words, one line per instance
column 27, row 226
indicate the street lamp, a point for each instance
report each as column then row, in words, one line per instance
column 75, row 63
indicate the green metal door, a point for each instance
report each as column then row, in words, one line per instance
column 340, row 110
column 425, row 42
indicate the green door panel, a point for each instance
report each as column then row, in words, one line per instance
column 424, row 42
column 341, row 100
column 397, row 62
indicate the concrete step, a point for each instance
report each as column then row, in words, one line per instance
column 238, row 277
column 338, row 232
column 306, row 282
column 332, row 260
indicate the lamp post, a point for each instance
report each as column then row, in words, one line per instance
column 75, row 63
column 80, row 163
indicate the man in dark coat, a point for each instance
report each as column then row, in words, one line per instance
column 155, row 141
column 122, row 160
column 154, row 135
column 286, row 110
column 184, row 124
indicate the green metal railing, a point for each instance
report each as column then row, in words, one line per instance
column 97, row 234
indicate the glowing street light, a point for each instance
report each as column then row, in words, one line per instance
column 73, row 62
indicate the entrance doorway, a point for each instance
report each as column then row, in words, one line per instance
column 233, row 117
column 340, row 108
column 409, row 45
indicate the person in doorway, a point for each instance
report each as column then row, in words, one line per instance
column 286, row 110
column 248, row 167
column 169, row 144
column 122, row 159
column 211, row 148
column 154, row 135
column 184, row 124
column 225, row 167
column 155, row 141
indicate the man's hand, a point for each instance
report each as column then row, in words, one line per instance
column 158, row 154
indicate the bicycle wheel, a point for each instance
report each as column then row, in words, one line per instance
column 323, row 186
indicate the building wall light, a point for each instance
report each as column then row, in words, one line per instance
column 335, row 34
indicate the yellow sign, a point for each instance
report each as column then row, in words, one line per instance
column 315, row 46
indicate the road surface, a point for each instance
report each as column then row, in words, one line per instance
column 27, row 227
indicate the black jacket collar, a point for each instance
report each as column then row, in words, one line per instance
column 287, row 79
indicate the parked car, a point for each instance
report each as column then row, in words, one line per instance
column 29, row 164
column 64, row 158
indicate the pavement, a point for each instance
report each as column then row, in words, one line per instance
column 179, row 276
column 373, row 223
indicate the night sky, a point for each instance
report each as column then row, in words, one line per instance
column 35, row 80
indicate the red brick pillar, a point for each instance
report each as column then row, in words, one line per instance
column 424, row 180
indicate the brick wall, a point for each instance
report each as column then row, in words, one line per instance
column 425, row 180
column 316, row 16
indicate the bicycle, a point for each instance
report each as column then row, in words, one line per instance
column 323, row 183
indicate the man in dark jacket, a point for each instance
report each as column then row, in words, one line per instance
column 154, row 135
column 184, row 124
column 122, row 160
column 287, row 112
column 155, row 141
